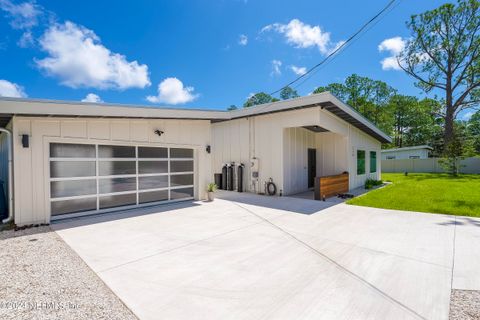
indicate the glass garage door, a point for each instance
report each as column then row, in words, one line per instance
column 87, row 177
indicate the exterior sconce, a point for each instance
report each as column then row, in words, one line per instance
column 208, row 149
column 25, row 141
column 158, row 132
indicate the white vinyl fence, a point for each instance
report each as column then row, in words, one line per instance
column 468, row 165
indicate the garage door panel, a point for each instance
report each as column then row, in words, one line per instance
column 111, row 185
column 146, row 167
column 181, row 166
column 118, row 200
column 181, row 153
column 152, row 182
column 116, row 151
column 70, row 169
column 181, row 180
column 111, row 168
column 71, row 188
column 181, row 193
column 153, row 196
column 152, row 152
column 68, row 150
column 74, row 205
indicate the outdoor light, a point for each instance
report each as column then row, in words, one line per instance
column 25, row 142
column 158, row 132
column 208, row 149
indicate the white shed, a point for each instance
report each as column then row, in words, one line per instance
column 73, row 158
column 415, row 152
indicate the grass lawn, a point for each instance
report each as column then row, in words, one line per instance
column 426, row 192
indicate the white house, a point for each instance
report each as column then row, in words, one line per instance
column 415, row 152
column 72, row 158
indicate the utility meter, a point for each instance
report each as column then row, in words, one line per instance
column 254, row 168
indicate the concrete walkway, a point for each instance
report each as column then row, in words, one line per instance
column 256, row 257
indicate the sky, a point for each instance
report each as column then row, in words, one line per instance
column 193, row 54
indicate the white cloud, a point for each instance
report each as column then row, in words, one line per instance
column 77, row 57
column 276, row 64
column 172, row 91
column 243, row 40
column 394, row 47
column 10, row 89
column 299, row 71
column 92, row 97
column 24, row 15
column 26, row 40
column 302, row 35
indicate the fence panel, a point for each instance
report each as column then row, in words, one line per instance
column 468, row 165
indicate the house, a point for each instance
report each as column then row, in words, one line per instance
column 72, row 158
column 415, row 152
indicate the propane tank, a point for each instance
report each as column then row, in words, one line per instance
column 224, row 177
column 240, row 177
column 230, row 185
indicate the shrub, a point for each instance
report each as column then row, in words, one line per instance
column 370, row 183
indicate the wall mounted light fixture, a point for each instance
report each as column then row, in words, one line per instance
column 158, row 132
column 208, row 149
column 25, row 141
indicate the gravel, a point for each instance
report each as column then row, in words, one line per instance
column 42, row 278
column 465, row 304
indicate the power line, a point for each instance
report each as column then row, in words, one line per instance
column 346, row 46
column 339, row 48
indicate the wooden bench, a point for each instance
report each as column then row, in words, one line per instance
column 329, row 186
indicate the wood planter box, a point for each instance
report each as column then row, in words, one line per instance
column 329, row 186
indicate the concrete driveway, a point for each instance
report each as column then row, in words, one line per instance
column 251, row 257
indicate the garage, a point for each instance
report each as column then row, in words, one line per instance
column 95, row 178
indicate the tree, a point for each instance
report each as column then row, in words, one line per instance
column 258, row 98
column 232, row 107
column 443, row 55
column 367, row 96
column 473, row 127
column 288, row 93
column 403, row 109
column 459, row 147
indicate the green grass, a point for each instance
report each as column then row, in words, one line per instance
column 426, row 192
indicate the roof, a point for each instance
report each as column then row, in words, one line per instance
column 407, row 148
column 55, row 108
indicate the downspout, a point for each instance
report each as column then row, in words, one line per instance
column 10, row 176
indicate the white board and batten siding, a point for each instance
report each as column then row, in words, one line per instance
column 280, row 143
column 31, row 168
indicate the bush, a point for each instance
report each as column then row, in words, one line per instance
column 370, row 183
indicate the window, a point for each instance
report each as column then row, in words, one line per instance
column 414, row 157
column 373, row 161
column 390, row 157
column 360, row 162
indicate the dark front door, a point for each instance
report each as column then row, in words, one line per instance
column 312, row 166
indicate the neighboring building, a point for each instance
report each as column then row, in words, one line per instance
column 72, row 158
column 416, row 152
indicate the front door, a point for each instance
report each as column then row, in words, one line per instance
column 312, row 166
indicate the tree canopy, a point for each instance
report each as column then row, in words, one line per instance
column 259, row 98
column 443, row 55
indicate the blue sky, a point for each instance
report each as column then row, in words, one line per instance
column 203, row 54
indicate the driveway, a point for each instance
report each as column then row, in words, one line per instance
column 255, row 257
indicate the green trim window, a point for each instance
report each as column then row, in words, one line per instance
column 360, row 162
column 373, row 161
